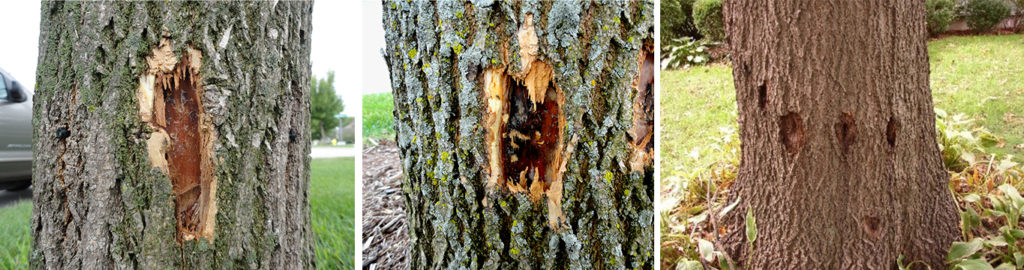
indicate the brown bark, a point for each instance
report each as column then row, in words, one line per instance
column 179, row 154
column 839, row 158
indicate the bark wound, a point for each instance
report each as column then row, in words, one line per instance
column 643, row 114
column 890, row 131
column 846, row 131
column 524, row 123
column 181, row 144
column 872, row 226
column 791, row 130
column 524, row 141
column 762, row 95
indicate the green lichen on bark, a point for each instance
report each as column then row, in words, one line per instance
column 454, row 219
column 98, row 201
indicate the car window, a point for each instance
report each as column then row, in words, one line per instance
column 3, row 87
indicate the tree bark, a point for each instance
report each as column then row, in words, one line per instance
column 839, row 159
column 187, row 136
column 524, row 131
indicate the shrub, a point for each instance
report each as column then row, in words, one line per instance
column 707, row 16
column 684, row 52
column 982, row 15
column 676, row 20
column 940, row 14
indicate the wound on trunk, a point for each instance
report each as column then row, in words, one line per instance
column 846, row 131
column 181, row 144
column 762, row 95
column 891, row 129
column 524, row 142
column 791, row 130
column 531, row 137
column 642, row 132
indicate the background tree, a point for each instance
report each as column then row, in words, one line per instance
column 171, row 135
column 677, row 20
column 839, row 164
column 525, row 132
column 326, row 104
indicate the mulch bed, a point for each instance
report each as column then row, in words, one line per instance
column 386, row 241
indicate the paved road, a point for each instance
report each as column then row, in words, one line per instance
column 8, row 198
column 332, row 152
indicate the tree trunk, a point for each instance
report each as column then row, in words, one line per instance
column 524, row 130
column 840, row 162
column 172, row 135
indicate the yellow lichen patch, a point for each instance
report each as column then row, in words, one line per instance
column 181, row 145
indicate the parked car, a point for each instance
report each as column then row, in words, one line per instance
column 15, row 134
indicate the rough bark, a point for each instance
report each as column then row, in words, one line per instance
column 839, row 158
column 515, row 123
column 188, row 142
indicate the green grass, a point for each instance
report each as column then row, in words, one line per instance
column 332, row 204
column 696, row 103
column 15, row 239
column 378, row 122
column 983, row 77
column 979, row 76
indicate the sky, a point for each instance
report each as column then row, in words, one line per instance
column 333, row 46
column 375, row 69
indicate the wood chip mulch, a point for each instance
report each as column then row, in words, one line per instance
column 385, row 237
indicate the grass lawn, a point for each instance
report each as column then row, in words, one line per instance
column 378, row 122
column 332, row 204
column 15, row 240
column 332, row 199
column 979, row 76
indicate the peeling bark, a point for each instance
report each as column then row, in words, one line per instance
column 839, row 159
column 515, row 123
column 178, row 152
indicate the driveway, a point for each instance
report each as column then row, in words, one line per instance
column 332, row 152
column 8, row 198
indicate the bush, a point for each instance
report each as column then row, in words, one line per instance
column 940, row 14
column 982, row 15
column 676, row 20
column 707, row 16
column 684, row 52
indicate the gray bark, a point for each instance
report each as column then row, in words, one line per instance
column 839, row 158
column 471, row 84
column 102, row 199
